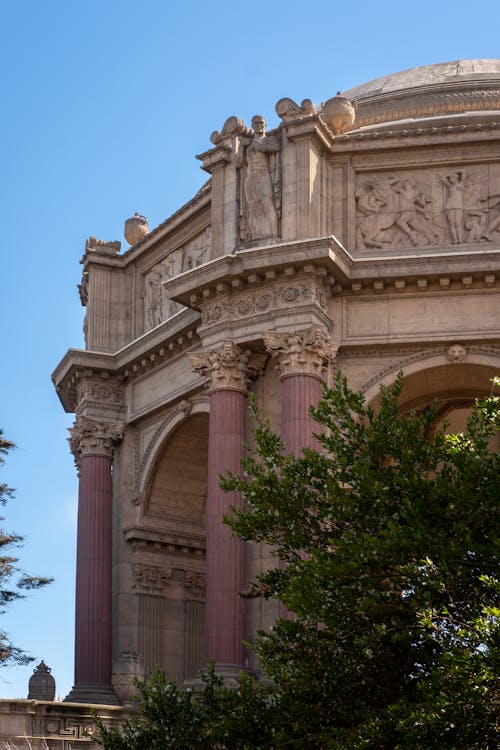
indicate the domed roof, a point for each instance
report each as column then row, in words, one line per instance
column 439, row 74
column 457, row 88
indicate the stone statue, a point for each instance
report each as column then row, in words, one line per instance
column 261, row 183
column 454, row 205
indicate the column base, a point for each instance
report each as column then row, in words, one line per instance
column 230, row 674
column 92, row 692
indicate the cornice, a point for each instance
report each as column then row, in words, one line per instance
column 453, row 129
column 147, row 538
column 151, row 350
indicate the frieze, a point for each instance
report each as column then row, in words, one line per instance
column 300, row 352
column 456, row 155
column 89, row 437
column 266, row 299
column 64, row 729
column 228, row 367
column 415, row 208
column 158, row 307
column 102, row 392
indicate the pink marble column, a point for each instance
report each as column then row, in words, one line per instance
column 302, row 358
column 298, row 393
column 93, row 444
column 228, row 369
column 225, row 554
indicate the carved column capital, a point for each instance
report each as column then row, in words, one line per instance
column 228, row 367
column 306, row 352
column 91, row 438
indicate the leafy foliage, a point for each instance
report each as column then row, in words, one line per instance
column 14, row 582
column 387, row 552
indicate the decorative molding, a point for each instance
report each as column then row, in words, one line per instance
column 305, row 352
column 91, row 438
column 144, row 539
column 229, row 367
column 94, row 244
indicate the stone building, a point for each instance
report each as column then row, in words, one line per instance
column 362, row 234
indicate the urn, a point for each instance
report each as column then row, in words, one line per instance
column 136, row 228
column 339, row 113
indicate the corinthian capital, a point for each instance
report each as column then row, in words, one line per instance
column 88, row 437
column 229, row 367
column 304, row 352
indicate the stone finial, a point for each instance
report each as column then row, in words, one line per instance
column 94, row 244
column 287, row 109
column 229, row 367
column 89, row 437
column 42, row 686
column 136, row 228
column 339, row 113
column 306, row 352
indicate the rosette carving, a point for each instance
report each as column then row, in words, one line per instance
column 229, row 367
column 89, row 437
column 306, row 352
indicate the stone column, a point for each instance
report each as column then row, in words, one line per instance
column 229, row 368
column 93, row 444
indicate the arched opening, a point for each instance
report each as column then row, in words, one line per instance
column 171, row 593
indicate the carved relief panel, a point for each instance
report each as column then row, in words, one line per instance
column 158, row 307
column 428, row 207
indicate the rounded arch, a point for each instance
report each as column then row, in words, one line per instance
column 432, row 374
column 175, row 490
column 182, row 413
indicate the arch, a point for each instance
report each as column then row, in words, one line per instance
column 431, row 374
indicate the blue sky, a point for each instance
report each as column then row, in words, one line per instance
column 104, row 105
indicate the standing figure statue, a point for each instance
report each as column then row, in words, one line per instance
column 261, row 187
column 454, row 205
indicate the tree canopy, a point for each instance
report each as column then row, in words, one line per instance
column 14, row 582
column 387, row 551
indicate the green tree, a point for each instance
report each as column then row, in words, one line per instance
column 14, row 582
column 387, row 551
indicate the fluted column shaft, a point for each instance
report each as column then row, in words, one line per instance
column 93, row 444
column 228, row 369
column 93, row 572
column 299, row 392
column 225, row 554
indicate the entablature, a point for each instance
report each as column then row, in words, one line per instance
column 145, row 353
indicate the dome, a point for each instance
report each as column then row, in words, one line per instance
column 456, row 72
column 455, row 88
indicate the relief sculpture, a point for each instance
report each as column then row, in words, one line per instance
column 428, row 207
column 260, row 182
column 158, row 307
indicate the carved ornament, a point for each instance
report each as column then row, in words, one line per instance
column 91, row 438
column 456, row 353
column 195, row 584
column 287, row 109
column 265, row 300
column 305, row 352
column 232, row 127
column 229, row 367
column 94, row 244
column 151, row 578
column 429, row 207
